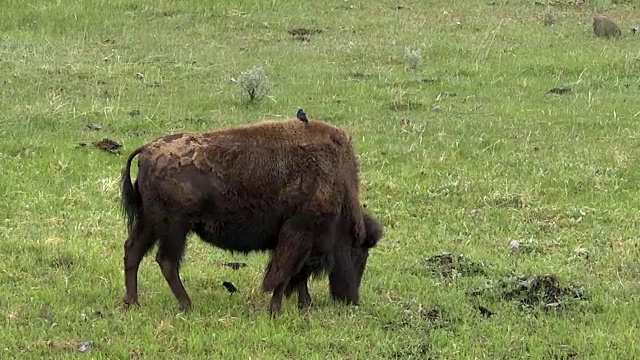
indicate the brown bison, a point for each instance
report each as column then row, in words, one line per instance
column 287, row 187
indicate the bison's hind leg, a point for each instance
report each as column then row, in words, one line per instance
column 298, row 283
column 140, row 240
column 171, row 247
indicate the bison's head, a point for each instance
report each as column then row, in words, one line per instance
column 359, row 255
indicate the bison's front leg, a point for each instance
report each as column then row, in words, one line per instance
column 170, row 251
column 342, row 278
column 141, row 239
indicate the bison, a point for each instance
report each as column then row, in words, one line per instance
column 285, row 187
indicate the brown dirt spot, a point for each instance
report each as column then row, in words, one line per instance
column 303, row 34
column 360, row 75
column 304, row 31
column 63, row 261
column 409, row 105
column 108, row 145
column 234, row 265
column 560, row 90
column 169, row 13
column 450, row 266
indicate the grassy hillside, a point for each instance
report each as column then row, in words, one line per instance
column 495, row 194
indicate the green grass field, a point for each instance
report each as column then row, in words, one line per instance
column 466, row 154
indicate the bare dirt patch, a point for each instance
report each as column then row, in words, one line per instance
column 546, row 291
column 560, row 90
column 234, row 265
column 303, row 34
column 447, row 265
column 107, row 145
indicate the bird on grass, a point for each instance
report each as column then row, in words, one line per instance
column 302, row 116
column 486, row 312
column 229, row 286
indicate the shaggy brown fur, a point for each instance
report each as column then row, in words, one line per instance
column 283, row 186
column 603, row 26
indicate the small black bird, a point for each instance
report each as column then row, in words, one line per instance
column 302, row 116
column 229, row 286
column 486, row 312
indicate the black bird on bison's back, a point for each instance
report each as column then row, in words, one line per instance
column 302, row 116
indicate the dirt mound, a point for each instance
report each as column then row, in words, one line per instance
column 304, row 31
column 303, row 34
column 532, row 291
column 108, row 145
column 448, row 265
column 234, row 265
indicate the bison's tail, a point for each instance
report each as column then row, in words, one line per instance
column 131, row 201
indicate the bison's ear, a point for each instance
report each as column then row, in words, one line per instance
column 373, row 230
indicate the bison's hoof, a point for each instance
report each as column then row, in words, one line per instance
column 303, row 305
column 274, row 310
column 185, row 306
column 129, row 302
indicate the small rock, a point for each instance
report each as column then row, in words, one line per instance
column 84, row 346
column 94, row 127
column 514, row 245
column 581, row 252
